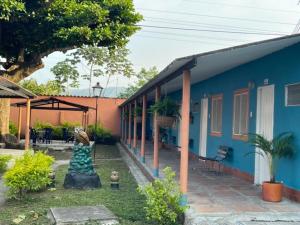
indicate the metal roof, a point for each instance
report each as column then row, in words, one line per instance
column 54, row 104
column 209, row 64
column 9, row 89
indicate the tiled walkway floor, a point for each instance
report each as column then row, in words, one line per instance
column 219, row 195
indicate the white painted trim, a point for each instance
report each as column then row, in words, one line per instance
column 203, row 145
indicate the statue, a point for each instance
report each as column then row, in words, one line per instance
column 81, row 173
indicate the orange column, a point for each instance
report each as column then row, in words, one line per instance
column 184, row 134
column 27, row 130
column 129, row 126
column 135, row 129
column 19, row 123
column 156, row 138
column 122, row 124
column 143, row 141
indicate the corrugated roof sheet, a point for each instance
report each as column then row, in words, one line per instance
column 9, row 89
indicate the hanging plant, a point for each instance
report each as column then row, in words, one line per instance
column 138, row 113
column 167, row 110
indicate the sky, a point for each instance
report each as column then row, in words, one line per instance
column 177, row 28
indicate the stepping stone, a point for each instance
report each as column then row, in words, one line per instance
column 82, row 215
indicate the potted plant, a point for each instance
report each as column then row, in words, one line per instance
column 138, row 114
column 282, row 146
column 167, row 110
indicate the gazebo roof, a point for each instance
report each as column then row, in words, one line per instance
column 52, row 103
column 9, row 89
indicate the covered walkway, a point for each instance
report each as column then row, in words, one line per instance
column 215, row 196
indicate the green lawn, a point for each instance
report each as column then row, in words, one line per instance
column 126, row 203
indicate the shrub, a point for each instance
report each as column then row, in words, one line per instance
column 4, row 159
column 13, row 128
column 100, row 135
column 163, row 199
column 30, row 173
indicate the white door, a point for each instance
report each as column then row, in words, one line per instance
column 264, row 126
column 203, row 127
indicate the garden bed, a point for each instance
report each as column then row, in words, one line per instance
column 125, row 203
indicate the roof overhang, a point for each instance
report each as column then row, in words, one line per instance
column 9, row 89
column 54, row 104
column 209, row 64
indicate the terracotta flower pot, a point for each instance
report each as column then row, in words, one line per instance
column 272, row 192
column 165, row 121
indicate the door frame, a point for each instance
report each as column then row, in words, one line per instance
column 259, row 159
column 203, row 145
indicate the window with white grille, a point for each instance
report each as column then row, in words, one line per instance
column 240, row 113
column 292, row 95
column 216, row 114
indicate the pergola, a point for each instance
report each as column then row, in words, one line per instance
column 9, row 89
column 52, row 103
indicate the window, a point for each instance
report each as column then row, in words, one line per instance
column 216, row 115
column 240, row 114
column 292, row 95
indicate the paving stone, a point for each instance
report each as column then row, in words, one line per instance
column 82, row 215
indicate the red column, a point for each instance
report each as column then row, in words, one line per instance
column 184, row 134
column 129, row 126
column 135, row 129
column 156, row 137
column 27, row 130
column 143, row 141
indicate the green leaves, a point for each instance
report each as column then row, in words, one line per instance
column 282, row 146
column 10, row 7
column 52, row 87
column 163, row 199
column 166, row 107
column 30, row 173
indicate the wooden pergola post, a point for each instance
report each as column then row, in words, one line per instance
column 184, row 134
column 19, row 124
column 156, row 138
column 125, row 125
column 27, row 130
column 135, row 128
column 143, row 141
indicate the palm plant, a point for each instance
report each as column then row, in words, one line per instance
column 282, row 146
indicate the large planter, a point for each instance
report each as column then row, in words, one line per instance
column 139, row 119
column 165, row 121
column 272, row 192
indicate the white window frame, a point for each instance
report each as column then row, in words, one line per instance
column 286, row 94
column 215, row 98
column 239, row 93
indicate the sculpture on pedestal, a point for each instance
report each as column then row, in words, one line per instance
column 81, row 173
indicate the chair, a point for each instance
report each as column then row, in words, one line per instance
column 11, row 142
column 222, row 154
column 33, row 135
column 48, row 135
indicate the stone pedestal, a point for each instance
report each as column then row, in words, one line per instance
column 80, row 181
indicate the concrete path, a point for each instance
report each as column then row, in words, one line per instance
column 225, row 200
column 2, row 192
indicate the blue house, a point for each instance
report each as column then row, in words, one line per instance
column 252, row 88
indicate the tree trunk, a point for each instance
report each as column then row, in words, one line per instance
column 4, row 115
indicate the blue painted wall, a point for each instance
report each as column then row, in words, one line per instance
column 281, row 68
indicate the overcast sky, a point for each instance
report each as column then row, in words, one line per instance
column 198, row 26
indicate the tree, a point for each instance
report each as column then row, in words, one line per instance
column 142, row 78
column 33, row 29
column 66, row 75
column 49, row 88
column 103, row 61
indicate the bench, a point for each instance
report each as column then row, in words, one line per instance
column 222, row 154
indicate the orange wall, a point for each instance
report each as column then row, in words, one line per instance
column 108, row 113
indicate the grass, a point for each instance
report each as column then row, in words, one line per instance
column 126, row 203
